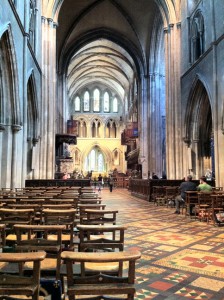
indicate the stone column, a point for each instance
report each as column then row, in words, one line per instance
column 48, row 128
column 15, row 130
column 25, row 104
column 143, row 126
column 174, row 144
column 2, row 129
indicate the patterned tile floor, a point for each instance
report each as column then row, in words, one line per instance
column 181, row 258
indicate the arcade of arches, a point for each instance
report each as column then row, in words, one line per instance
column 141, row 82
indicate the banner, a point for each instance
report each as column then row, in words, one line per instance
column 72, row 127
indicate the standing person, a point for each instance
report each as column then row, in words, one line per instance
column 187, row 185
column 100, row 179
column 111, row 183
column 204, row 186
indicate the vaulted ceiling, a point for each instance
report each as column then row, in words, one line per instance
column 106, row 41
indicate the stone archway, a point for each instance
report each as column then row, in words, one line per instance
column 199, row 131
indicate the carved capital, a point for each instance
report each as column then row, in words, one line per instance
column 16, row 128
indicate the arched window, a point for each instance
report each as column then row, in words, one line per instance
column 197, row 36
column 86, row 101
column 106, row 102
column 100, row 163
column 111, row 129
column 115, row 105
column 95, row 160
column 77, row 104
column 96, row 100
column 32, row 23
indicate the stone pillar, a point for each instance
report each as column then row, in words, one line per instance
column 25, row 104
column 174, row 144
column 143, row 126
column 15, row 130
column 48, row 128
column 2, row 129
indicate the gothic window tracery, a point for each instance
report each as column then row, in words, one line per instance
column 197, row 36
column 95, row 160
column 111, row 129
column 96, row 128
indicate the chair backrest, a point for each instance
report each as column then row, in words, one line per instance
column 65, row 217
column 31, row 238
column 101, row 237
column 12, row 284
column 204, row 198
column 100, row 284
column 97, row 217
column 89, row 195
column 9, row 217
column 82, row 207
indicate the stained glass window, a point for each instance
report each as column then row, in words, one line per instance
column 115, row 105
column 106, row 102
column 96, row 100
column 77, row 104
column 86, row 101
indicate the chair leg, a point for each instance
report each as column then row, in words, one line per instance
column 36, row 295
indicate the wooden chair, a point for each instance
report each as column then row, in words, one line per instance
column 158, row 195
column 93, row 236
column 201, row 209
column 216, row 211
column 10, row 217
column 90, row 201
column 170, row 194
column 90, row 195
column 12, row 284
column 38, row 238
column 81, row 209
column 65, row 217
column 99, row 217
column 100, row 284
column 190, row 201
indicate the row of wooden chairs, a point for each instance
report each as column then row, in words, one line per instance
column 93, row 236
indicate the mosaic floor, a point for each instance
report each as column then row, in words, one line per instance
column 181, row 258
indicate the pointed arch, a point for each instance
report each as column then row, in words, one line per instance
column 199, row 129
column 10, row 112
column 32, row 112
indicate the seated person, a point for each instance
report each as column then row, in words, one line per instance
column 204, row 186
column 187, row 185
column 65, row 176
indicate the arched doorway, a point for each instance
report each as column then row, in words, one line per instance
column 199, row 131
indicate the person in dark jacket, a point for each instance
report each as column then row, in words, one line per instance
column 187, row 185
column 111, row 183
